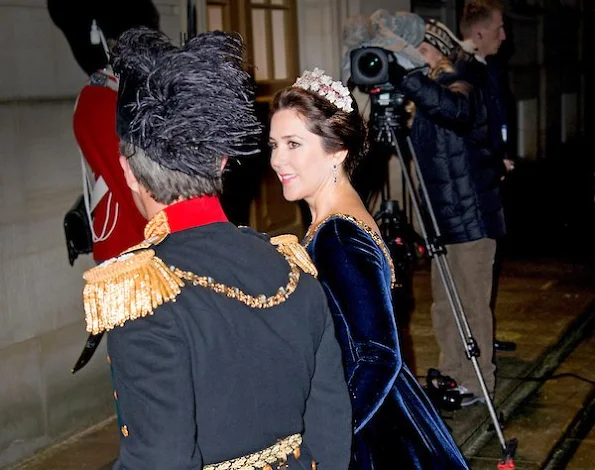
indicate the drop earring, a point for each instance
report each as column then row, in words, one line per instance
column 335, row 174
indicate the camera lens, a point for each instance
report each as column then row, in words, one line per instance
column 370, row 64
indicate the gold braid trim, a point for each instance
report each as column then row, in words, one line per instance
column 134, row 284
column 127, row 288
column 312, row 230
column 263, row 458
column 259, row 301
column 158, row 225
column 289, row 245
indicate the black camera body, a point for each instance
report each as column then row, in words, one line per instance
column 376, row 71
column 441, row 390
column 375, row 67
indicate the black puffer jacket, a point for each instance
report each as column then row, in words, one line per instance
column 452, row 143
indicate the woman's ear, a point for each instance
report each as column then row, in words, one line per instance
column 339, row 157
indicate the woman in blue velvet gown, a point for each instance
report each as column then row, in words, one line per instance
column 317, row 139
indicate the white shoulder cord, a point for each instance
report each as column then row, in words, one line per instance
column 92, row 194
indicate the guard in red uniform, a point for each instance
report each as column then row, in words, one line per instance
column 117, row 223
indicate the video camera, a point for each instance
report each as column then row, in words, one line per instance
column 377, row 72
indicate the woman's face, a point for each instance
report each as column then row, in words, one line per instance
column 298, row 157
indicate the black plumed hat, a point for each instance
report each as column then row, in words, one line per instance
column 185, row 107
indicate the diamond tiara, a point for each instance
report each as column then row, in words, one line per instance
column 323, row 85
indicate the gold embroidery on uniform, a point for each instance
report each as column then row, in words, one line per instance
column 259, row 301
column 262, row 458
column 290, row 246
column 157, row 226
column 148, row 243
column 366, row 228
column 135, row 284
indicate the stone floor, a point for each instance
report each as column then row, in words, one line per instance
column 538, row 304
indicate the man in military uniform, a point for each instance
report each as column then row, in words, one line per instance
column 222, row 346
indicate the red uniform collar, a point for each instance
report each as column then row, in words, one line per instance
column 184, row 215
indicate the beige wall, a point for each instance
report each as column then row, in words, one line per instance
column 320, row 28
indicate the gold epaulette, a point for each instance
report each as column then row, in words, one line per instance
column 135, row 283
column 290, row 247
column 126, row 288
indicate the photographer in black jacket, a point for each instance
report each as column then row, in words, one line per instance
column 451, row 138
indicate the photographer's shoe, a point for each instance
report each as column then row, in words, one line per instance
column 468, row 398
column 504, row 345
column 471, row 400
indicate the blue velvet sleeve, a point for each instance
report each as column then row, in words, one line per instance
column 353, row 271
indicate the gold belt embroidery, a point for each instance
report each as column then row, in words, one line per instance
column 262, row 458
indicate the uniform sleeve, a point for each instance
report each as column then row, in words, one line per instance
column 351, row 269
column 327, row 421
column 153, row 386
column 450, row 106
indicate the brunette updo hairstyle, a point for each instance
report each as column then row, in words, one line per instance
column 339, row 130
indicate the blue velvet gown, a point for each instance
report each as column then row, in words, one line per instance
column 395, row 424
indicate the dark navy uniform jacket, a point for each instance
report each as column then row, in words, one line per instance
column 207, row 378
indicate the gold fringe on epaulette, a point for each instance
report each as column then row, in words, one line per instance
column 130, row 287
column 289, row 245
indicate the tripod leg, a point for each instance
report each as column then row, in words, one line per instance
column 446, row 276
column 454, row 301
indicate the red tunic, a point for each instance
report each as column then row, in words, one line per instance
column 116, row 220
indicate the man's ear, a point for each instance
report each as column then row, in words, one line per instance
column 476, row 33
column 131, row 180
column 224, row 161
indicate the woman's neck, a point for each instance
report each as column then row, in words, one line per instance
column 331, row 200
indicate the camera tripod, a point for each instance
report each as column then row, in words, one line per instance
column 391, row 132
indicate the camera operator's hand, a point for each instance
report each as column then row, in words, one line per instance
column 399, row 71
column 508, row 164
column 508, row 167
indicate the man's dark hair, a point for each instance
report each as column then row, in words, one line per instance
column 476, row 12
column 74, row 18
column 181, row 110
